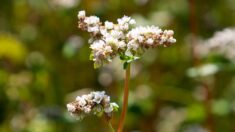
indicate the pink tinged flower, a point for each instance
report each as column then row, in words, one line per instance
column 150, row 41
column 140, row 39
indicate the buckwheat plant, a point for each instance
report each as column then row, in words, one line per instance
column 124, row 40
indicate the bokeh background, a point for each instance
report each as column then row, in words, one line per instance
column 44, row 64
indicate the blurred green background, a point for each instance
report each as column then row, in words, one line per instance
column 44, row 64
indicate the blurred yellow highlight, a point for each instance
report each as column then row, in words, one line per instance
column 11, row 48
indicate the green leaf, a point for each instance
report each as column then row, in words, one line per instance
column 122, row 57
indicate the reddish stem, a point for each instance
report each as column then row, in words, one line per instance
column 209, row 120
column 125, row 100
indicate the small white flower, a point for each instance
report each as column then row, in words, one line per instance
column 81, row 14
column 111, row 40
column 140, row 38
column 87, row 109
column 97, row 45
column 81, row 101
column 123, row 20
column 132, row 21
column 121, row 44
column 114, row 105
column 133, row 45
column 149, row 41
column 98, row 96
column 169, row 32
column 163, row 39
column 104, row 32
column 94, row 29
column 172, row 40
column 71, row 108
column 117, row 34
column 107, row 49
column 108, row 25
column 108, row 109
column 111, row 107
column 124, row 26
column 92, row 20
column 87, row 97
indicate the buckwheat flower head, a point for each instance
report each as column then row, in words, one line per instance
column 142, row 38
column 222, row 43
column 97, row 103
column 109, row 40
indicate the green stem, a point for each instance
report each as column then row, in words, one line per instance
column 111, row 127
column 125, row 100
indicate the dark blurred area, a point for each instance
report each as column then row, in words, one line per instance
column 44, row 64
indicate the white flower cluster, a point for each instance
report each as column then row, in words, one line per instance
column 109, row 40
column 97, row 103
column 141, row 38
column 222, row 43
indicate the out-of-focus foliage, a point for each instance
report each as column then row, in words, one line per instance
column 44, row 64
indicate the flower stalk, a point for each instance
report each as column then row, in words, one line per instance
column 125, row 99
column 111, row 127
